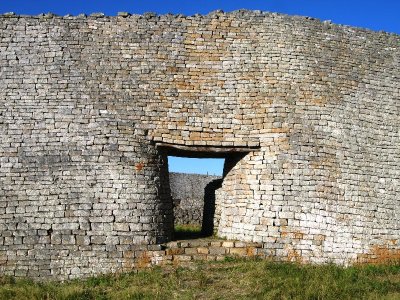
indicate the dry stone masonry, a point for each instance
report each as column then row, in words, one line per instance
column 306, row 114
column 189, row 196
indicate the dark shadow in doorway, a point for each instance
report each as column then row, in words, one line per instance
column 232, row 156
column 207, row 227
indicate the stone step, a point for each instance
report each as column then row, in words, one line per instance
column 211, row 243
column 187, row 251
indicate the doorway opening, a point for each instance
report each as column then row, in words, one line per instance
column 195, row 177
column 193, row 183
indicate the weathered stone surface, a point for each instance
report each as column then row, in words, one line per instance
column 188, row 196
column 86, row 102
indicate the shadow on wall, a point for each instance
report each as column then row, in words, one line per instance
column 207, row 227
column 210, row 218
column 189, row 211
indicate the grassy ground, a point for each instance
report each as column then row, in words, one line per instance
column 187, row 231
column 231, row 279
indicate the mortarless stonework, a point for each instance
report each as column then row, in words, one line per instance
column 91, row 106
column 188, row 196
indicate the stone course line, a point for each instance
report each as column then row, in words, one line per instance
column 306, row 114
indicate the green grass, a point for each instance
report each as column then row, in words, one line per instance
column 191, row 231
column 231, row 279
column 187, row 231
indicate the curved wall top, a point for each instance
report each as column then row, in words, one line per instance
column 84, row 102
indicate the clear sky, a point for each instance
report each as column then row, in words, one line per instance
column 373, row 14
column 210, row 166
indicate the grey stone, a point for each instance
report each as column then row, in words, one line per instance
column 305, row 114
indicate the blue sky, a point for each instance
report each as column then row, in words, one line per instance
column 373, row 14
column 210, row 166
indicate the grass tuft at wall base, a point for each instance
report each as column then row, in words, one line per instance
column 231, row 279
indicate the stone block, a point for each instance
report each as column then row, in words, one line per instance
column 202, row 250
column 238, row 251
column 310, row 140
column 217, row 250
column 228, row 244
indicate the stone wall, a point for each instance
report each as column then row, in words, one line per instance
column 188, row 196
column 307, row 114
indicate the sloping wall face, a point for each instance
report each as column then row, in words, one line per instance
column 85, row 101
